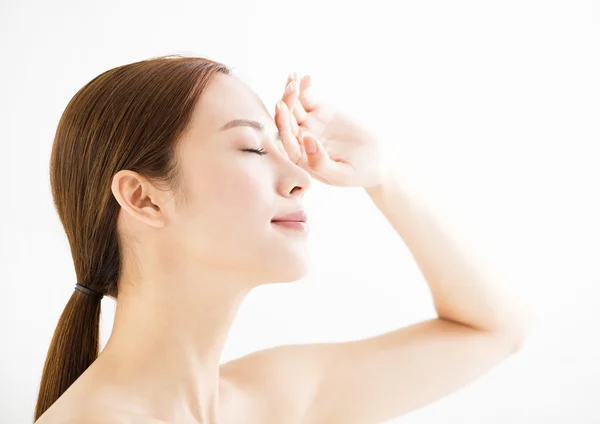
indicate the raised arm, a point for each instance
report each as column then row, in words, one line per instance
column 463, row 291
column 381, row 377
column 365, row 381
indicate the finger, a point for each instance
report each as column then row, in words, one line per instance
column 307, row 97
column 303, row 161
column 290, row 98
column 305, row 82
column 321, row 165
column 288, row 138
column 300, row 114
column 294, row 125
column 293, row 76
column 290, row 95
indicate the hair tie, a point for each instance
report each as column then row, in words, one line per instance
column 88, row 291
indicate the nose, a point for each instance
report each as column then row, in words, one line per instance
column 295, row 179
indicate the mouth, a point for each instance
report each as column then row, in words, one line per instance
column 299, row 215
column 292, row 225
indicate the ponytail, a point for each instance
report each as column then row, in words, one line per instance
column 128, row 117
column 74, row 346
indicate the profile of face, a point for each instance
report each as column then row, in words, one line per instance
column 232, row 194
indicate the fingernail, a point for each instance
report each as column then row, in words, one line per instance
column 309, row 145
column 291, row 86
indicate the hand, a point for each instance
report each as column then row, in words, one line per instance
column 330, row 145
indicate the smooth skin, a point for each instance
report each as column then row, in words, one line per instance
column 201, row 258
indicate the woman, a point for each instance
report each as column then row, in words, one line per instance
column 179, row 194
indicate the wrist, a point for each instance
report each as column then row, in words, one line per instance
column 387, row 178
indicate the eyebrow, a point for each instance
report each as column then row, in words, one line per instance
column 243, row 122
column 247, row 123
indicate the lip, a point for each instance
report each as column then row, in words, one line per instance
column 297, row 216
column 301, row 226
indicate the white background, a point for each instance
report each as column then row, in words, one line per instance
column 493, row 107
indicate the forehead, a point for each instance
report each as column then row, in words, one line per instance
column 226, row 98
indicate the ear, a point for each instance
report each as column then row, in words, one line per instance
column 138, row 197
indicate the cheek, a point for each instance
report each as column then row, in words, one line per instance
column 238, row 195
column 230, row 208
column 228, row 223
column 233, row 197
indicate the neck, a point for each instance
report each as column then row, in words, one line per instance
column 167, row 339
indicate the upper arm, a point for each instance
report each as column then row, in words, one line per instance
column 381, row 377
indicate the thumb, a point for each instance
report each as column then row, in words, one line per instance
column 315, row 152
column 320, row 163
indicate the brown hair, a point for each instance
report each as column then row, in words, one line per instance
column 129, row 117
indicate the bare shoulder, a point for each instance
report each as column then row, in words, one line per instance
column 75, row 407
column 62, row 413
column 92, row 415
column 281, row 381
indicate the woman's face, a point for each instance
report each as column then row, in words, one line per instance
column 232, row 195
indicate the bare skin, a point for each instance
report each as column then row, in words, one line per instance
column 200, row 260
column 162, row 361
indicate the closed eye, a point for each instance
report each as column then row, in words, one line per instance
column 260, row 151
